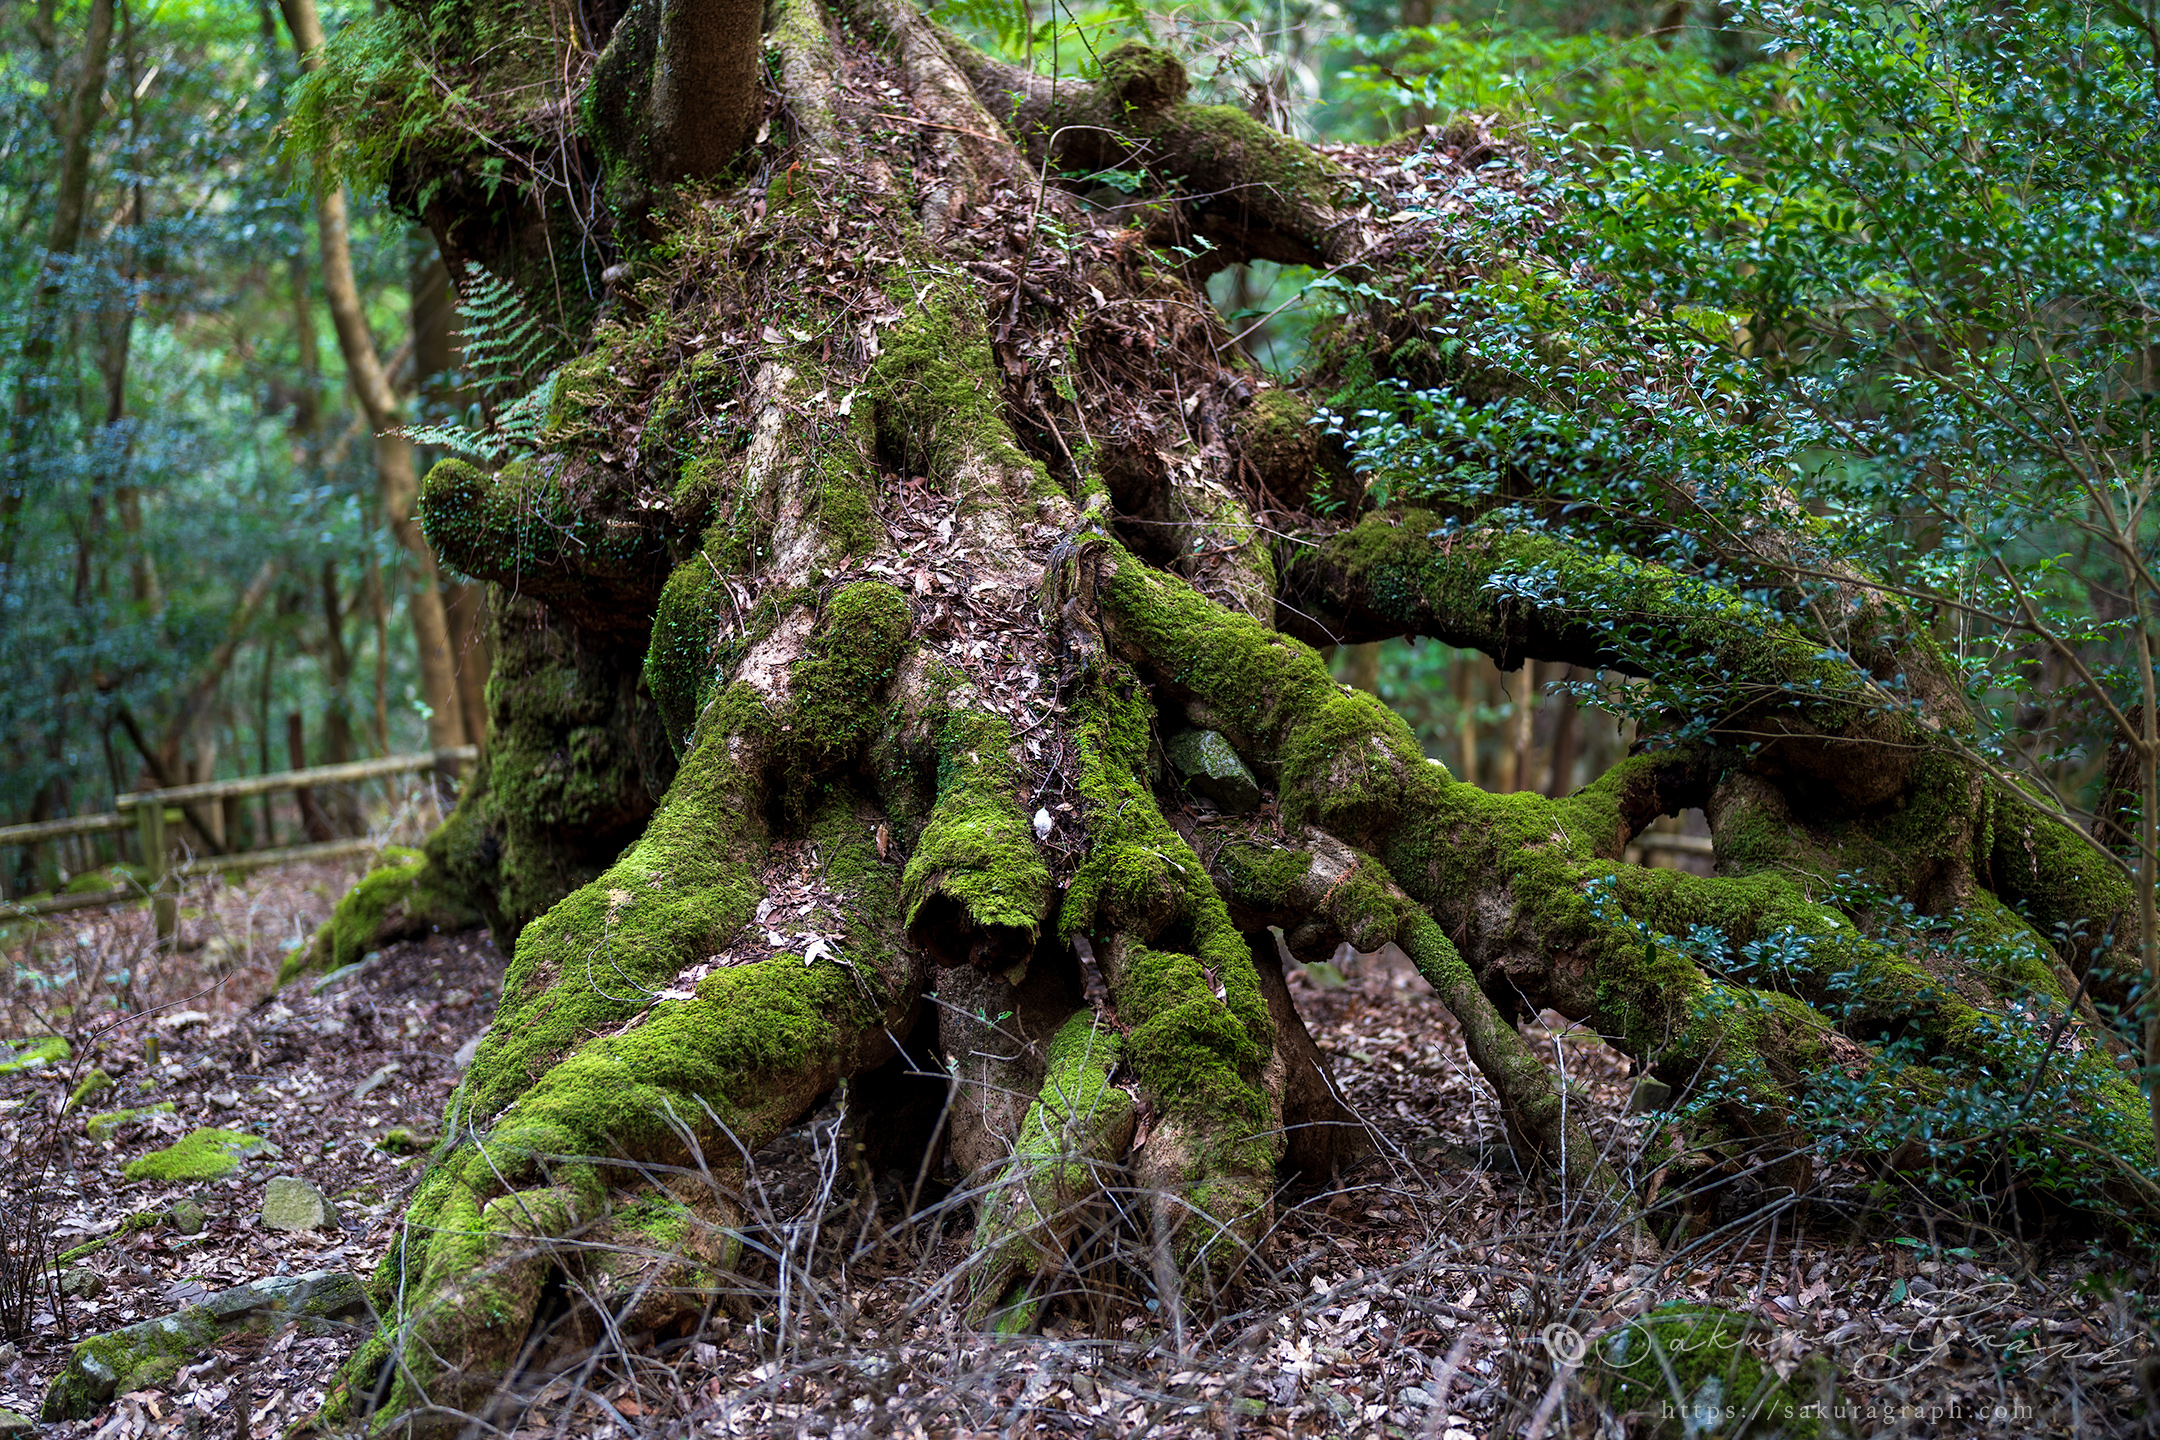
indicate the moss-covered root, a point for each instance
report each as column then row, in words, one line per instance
column 965, row 138
column 1199, row 1034
column 1069, row 1149
column 808, row 70
column 692, row 1082
column 1353, row 898
column 976, row 889
column 403, row 898
column 640, row 1020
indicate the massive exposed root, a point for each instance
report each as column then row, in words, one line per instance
column 856, row 593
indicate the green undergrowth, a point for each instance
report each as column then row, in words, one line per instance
column 1690, row 1370
column 404, row 897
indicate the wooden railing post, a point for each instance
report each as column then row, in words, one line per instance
column 145, row 812
column 164, row 905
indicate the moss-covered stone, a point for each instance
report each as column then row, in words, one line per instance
column 96, row 1083
column 104, row 1127
column 146, row 1355
column 35, row 1053
column 206, row 1154
column 1210, row 765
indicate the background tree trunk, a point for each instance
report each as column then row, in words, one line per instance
column 398, row 485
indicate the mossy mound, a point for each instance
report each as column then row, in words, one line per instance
column 402, row 898
column 1686, row 1370
column 207, row 1154
column 97, row 1082
column 17, row 1056
column 104, row 1127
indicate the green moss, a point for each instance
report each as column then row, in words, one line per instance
column 1261, row 876
column 103, row 1127
column 139, row 1357
column 2062, row 884
column 681, row 662
column 1069, row 1144
column 207, row 1154
column 1198, row 1027
column 582, row 388
column 17, row 1056
column 1689, row 1370
column 978, row 849
column 515, row 526
column 1610, row 932
column 858, row 643
column 97, row 1082
column 935, row 393
column 844, row 489
column 576, row 756
column 1276, row 436
column 402, row 898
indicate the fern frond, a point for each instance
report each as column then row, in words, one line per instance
column 505, row 341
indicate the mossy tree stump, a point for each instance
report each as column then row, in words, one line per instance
column 896, row 508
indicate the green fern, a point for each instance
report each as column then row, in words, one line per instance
column 506, row 342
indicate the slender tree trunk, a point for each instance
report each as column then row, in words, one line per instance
column 468, row 609
column 397, row 483
column 262, row 736
column 343, row 802
column 312, row 818
column 438, row 356
column 70, row 199
column 1468, row 670
column 1560, row 779
column 379, row 609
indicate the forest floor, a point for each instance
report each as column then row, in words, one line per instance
column 1415, row 1298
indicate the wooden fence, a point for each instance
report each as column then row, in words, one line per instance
column 151, row 814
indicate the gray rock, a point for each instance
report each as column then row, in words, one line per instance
column 187, row 1217
column 1210, row 765
column 14, row 1424
column 82, row 1284
column 290, row 1203
column 9, row 1354
column 1650, row 1094
column 150, row 1352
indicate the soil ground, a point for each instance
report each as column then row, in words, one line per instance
column 1414, row 1298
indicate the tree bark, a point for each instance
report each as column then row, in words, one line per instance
column 839, row 664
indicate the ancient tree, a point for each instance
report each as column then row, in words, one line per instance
column 900, row 504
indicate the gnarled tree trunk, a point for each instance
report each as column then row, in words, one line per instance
column 902, row 513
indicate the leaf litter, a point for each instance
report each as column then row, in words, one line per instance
column 1405, row 1300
